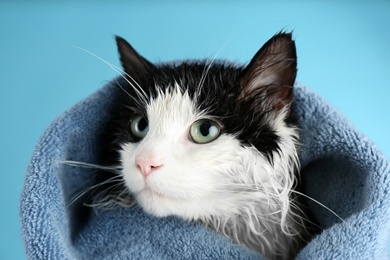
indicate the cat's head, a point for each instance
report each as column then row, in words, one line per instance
column 198, row 138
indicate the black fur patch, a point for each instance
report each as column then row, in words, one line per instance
column 247, row 119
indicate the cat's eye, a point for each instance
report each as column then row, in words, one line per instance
column 204, row 131
column 139, row 126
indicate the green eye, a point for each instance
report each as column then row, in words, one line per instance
column 204, row 131
column 139, row 127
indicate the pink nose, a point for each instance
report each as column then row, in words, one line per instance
column 148, row 166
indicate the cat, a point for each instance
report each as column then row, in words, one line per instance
column 212, row 142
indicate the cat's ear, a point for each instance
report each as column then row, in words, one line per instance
column 271, row 73
column 134, row 65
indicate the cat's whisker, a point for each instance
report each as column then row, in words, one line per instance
column 116, row 180
column 245, row 188
column 140, row 92
column 207, row 69
column 120, row 72
column 138, row 99
column 93, row 188
column 144, row 95
column 319, row 203
column 110, row 197
column 299, row 214
column 248, row 195
column 114, row 169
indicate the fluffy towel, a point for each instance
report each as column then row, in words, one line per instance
column 340, row 168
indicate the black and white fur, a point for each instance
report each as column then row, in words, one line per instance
column 242, row 183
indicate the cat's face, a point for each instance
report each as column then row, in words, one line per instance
column 197, row 138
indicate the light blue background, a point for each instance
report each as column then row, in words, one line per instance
column 343, row 54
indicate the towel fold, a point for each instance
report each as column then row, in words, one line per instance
column 341, row 169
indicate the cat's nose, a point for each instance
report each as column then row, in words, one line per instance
column 148, row 166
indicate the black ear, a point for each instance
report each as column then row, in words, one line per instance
column 271, row 73
column 135, row 66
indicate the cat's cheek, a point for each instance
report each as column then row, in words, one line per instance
column 133, row 181
column 130, row 173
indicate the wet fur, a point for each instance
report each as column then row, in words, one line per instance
column 242, row 184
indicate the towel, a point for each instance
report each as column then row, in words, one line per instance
column 340, row 168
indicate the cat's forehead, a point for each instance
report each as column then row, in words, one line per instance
column 210, row 85
column 172, row 106
column 193, row 75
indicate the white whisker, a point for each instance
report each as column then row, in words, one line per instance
column 140, row 92
column 319, row 203
column 93, row 188
column 244, row 188
column 91, row 166
column 206, row 70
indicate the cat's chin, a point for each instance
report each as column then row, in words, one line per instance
column 155, row 195
column 155, row 203
column 161, row 205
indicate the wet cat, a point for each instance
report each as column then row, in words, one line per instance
column 213, row 142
